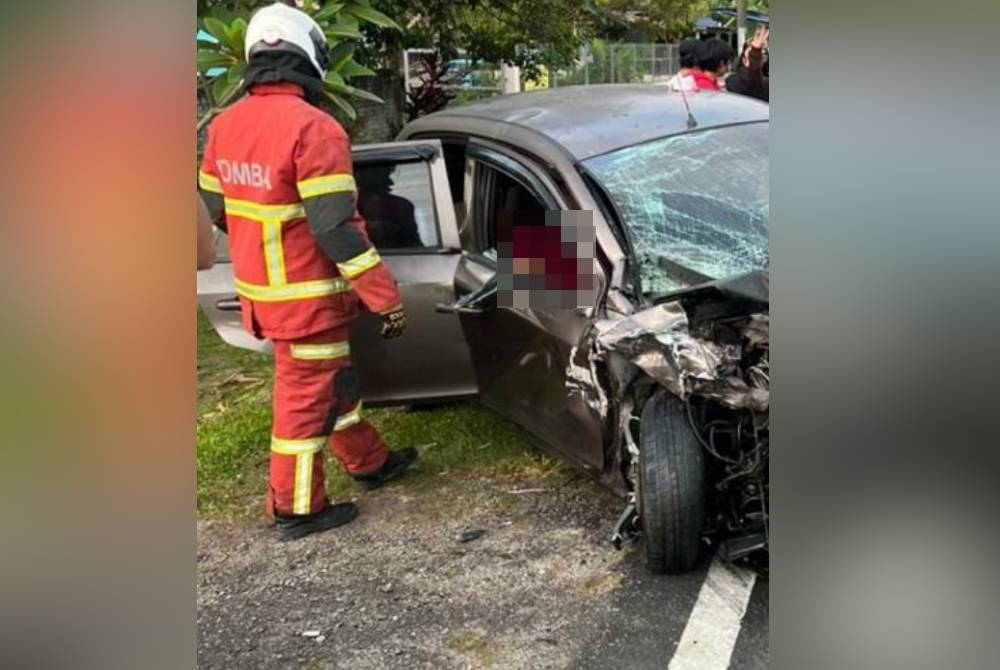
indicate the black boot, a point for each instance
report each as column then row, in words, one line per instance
column 300, row 525
column 395, row 465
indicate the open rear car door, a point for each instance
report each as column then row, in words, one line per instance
column 404, row 196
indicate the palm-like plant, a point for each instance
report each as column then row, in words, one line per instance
column 221, row 62
column 432, row 94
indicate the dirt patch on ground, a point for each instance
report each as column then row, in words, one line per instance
column 398, row 589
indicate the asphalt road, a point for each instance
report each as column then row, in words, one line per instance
column 541, row 588
column 652, row 614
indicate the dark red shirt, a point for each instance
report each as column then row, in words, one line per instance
column 545, row 243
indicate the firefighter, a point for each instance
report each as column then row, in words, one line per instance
column 277, row 176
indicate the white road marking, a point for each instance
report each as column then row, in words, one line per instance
column 710, row 634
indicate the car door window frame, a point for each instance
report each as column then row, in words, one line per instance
column 495, row 158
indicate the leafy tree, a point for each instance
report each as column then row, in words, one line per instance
column 221, row 63
column 660, row 20
column 526, row 33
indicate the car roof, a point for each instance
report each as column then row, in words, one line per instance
column 588, row 121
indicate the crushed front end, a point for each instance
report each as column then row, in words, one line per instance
column 708, row 346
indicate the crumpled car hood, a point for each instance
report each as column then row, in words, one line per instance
column 659, row 341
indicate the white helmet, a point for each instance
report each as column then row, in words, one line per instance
column 279, row 27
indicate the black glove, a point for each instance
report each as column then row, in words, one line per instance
column 393, row 323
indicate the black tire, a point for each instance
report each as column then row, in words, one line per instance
column 671, row 486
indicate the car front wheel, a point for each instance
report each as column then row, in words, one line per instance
column 671, row 486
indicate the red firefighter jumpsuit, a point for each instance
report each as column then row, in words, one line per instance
column 272, row 157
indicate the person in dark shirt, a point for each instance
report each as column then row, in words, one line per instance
column 749, row 78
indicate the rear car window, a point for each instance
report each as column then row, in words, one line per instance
column 397, row 203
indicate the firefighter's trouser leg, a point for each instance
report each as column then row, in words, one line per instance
column 316, row 402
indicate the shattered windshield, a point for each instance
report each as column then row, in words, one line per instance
column 696, row 205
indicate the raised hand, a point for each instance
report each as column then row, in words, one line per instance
column 759, row 39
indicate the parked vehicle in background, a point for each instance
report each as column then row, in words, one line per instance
column 660, row 389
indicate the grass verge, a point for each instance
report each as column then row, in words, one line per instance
column 461, row 442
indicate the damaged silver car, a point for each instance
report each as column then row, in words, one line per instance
column 660, row 388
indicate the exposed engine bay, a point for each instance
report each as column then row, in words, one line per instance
column 737, row 439
column 709, row 347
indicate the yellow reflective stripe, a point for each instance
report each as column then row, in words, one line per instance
column 296, row 447
column 304, row 452
column 358, row 264
column 320, row 352
column 274, row 255
column 264, row 213
column 331, row 183
column 349, row 419
column 303, row 484
column 209, row 183
column 295, row 291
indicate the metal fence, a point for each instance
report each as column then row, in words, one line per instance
column 611, row 63
column 597, row 62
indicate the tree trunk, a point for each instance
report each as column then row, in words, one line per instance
column 741, row 25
